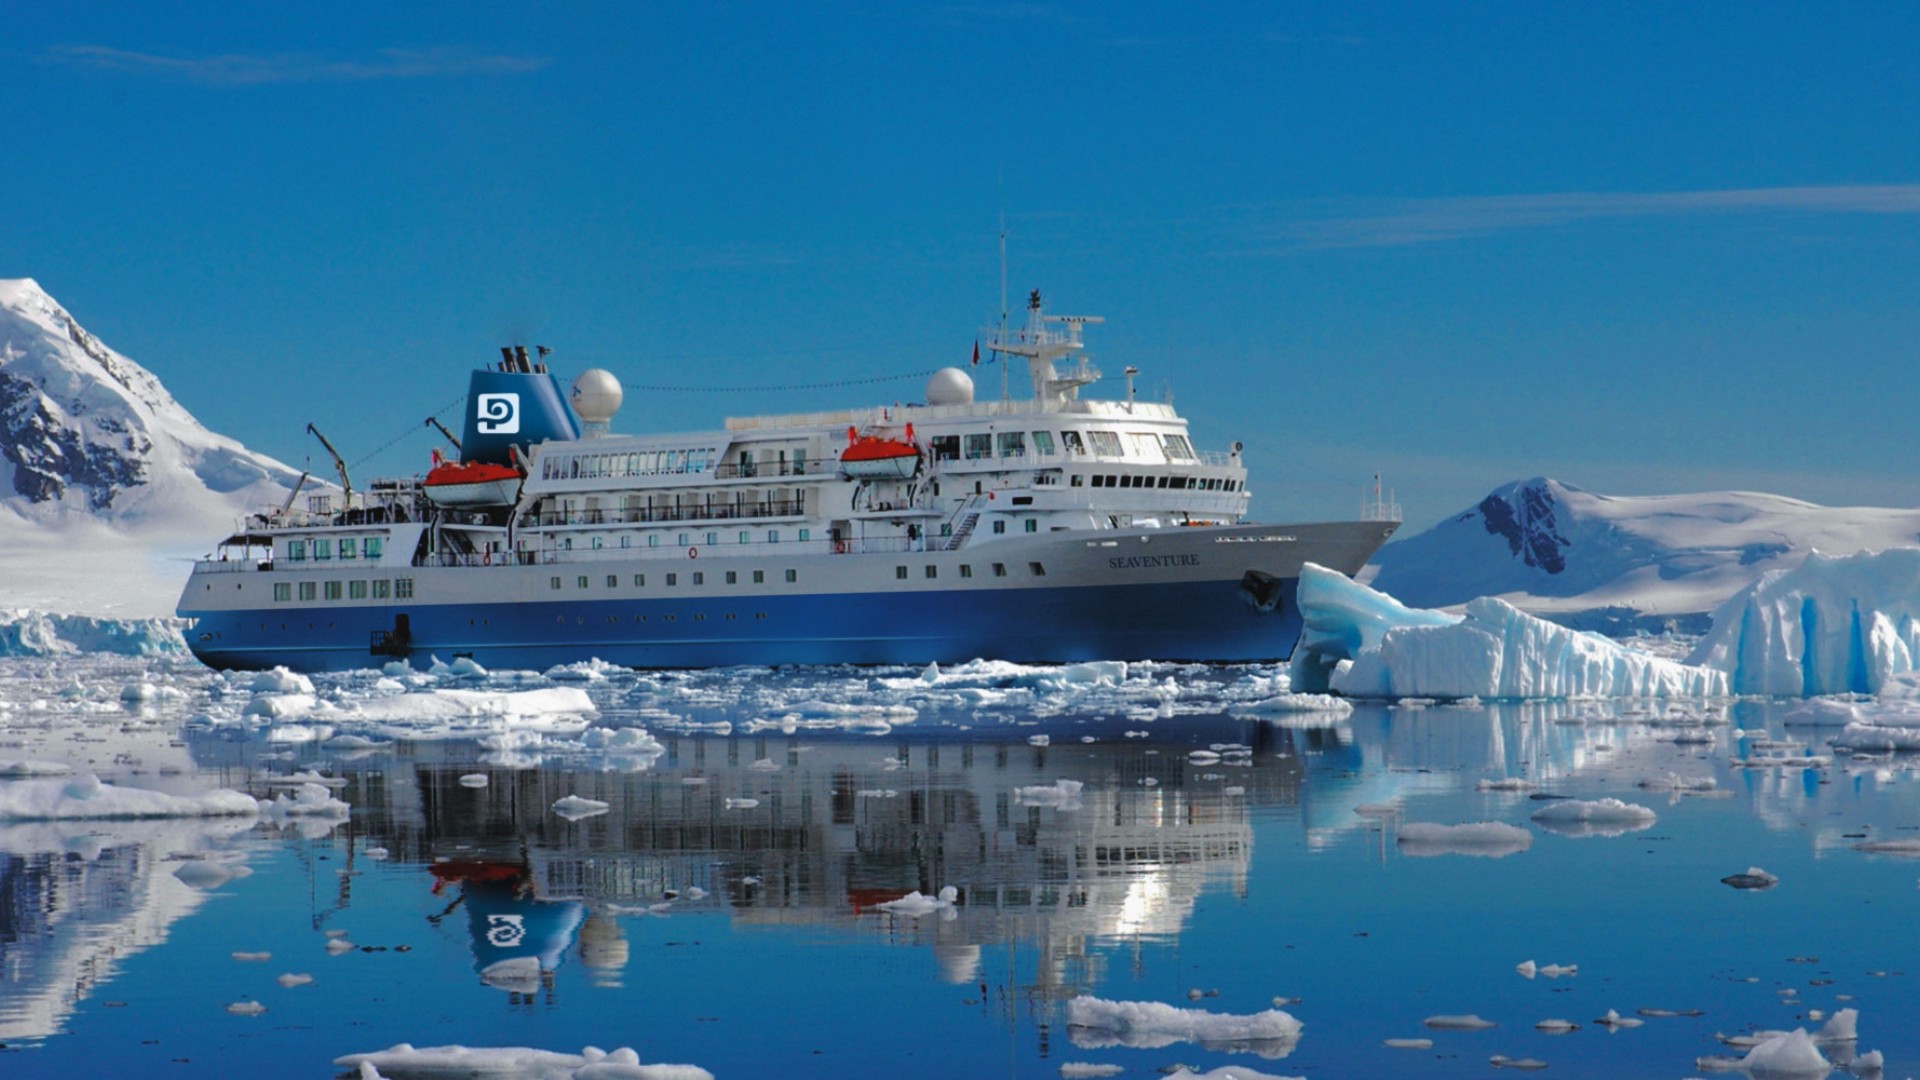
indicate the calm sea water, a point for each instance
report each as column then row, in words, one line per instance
column 725, row 911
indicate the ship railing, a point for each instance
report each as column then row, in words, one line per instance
column 692, row 554
column 642, row 515
column 1214, row 457
column 736, row 470
column 216, row 565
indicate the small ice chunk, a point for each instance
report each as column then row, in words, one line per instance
column 253, row 957
column 1458, row 1022
column 1752, row 878
column 574, row 808
column 1526, row 968
column 1074, row 1070
column 1502, row 1061
column 336, row 946
column 291, row 980
column 246, row 1008
column 1408, row 1044
column 1556, row 1026
column 1613, row 1020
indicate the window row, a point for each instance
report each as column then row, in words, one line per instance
column 699, row 577
column 932, row 572
column 373, row 589
column 1175, row 483
column 635, row 463
column 1014, row 444
column 350, row 547
column 710, row 539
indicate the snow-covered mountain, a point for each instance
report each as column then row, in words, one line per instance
column 1617, row 562
column 102, row 472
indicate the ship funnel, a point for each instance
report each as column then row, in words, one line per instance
column 513, row 408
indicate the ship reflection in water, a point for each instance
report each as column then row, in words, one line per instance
column 1061, row 845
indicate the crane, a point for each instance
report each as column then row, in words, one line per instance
column 345, row 482
column 434, row 422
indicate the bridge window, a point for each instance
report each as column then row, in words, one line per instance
column 1071, row 440
column 1013, row 444
column 1043, row 443
column 323, row 549
column 979, row 446
column 371, row 547
column 1105, row 443
column 297, row 551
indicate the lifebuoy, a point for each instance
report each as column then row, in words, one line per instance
column 693, row 553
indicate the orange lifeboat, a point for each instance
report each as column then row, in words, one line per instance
column 453, row 483
column 874, row 457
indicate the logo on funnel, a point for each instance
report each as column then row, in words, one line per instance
column 498, row 414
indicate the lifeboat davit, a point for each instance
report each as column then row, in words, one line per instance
column 873, row 457
column 453, row 483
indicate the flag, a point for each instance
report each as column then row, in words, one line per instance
column 976, row 352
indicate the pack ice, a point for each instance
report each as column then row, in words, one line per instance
column 1363, row 643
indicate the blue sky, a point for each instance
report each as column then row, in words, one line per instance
column 1642, row 248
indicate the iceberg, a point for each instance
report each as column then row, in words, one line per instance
column 1093, row 1023
column 1833, row 625
column 1363, row 643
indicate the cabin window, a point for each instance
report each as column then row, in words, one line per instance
column 699, row 577
column 597, row 543
column 900, row 572
column 566, row 543
column 1105, row 443
column 999, row 526
column 806, row 533
column 759, row 577
column 333, row 590
column 282, row 592
column 979, row 446
column 793, row 576
column 1071, row 440
column 323, row 549
column 1013, row 444
column 713, row 538
column 1033, row 524
column 382, row 588
column 308, row 590
column 349, row 547
column 773, row 536
column 743, row 536
column 297, row 550
column 371, row 547
column 946, row 448
column 613, row 581
column 580, row 582
column 1076, row 480
column 932, row 571
column 626, row 541
column 1043, row 443
column 999, row 569
column 554, row 582
column 683, row 540
column 672, row 580
column 965, row 570
column 1163, row 481
column 1038, row 570
column 640, row 581
column 1177, row 447
column 403, row 588
column 356, row 590
column 733, row 578
column 653, row 539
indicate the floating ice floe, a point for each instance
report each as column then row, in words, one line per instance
column 1080, row 1070
column 1529, row 969
column 86, row 796
column 1364, row 643
column 1613, row 1021
column 1526, row 1064
column 1408, row 1044
column 591, row 1063
column 1792, row 1054
column 1225, row 1072
column 1751, row 878
column 574, row 808
column 292, row 979
column 308, row 801
column 1094, row 1023
column 1488, row 839
column 1832, row 625
column 1458, row 1022
column 1061, row 795
column 914, row 905
column 1598, row 817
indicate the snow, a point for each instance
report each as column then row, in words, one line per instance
column 1835, row 624
column 1602, row 561
column 591, row 1063
column 86, row 797
column 106, row 469
column 1094, row 1023
column 1488, row 839
column 1364, row 643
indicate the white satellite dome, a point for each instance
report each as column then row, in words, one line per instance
column 596, row 396
column 950, row 386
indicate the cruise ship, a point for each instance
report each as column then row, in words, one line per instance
column 1053, row 528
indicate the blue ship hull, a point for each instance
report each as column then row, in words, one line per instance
column 1192, row 620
